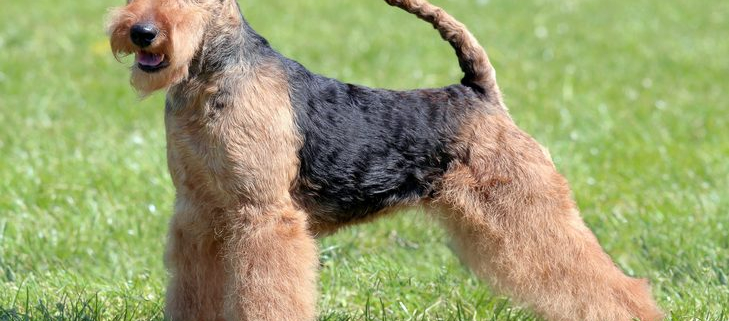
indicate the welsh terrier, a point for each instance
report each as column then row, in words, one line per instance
column 266, row 156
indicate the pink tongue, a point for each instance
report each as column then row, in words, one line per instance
column 149, row 59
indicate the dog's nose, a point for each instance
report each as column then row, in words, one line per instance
column 143, row 34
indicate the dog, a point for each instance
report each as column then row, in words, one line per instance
column 266, row 157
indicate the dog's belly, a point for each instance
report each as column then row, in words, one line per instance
column 367, row 149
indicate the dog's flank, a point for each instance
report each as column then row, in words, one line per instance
column 367, row 149
column 265, row 156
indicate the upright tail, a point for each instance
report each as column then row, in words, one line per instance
column 479, row 73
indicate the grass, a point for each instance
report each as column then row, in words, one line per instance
column 630, row 97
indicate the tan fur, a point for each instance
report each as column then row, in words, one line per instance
column 322, row 229
column 194, row 259
column 182, row 30
column 515, row 224
column 270, row 258
column 230, row 257
column 240, row 248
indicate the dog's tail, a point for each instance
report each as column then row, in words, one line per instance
column 479, row 73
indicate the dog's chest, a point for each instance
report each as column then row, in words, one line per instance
column 226, row 147
column 196, row 158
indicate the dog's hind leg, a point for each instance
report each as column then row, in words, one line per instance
column 514, row 223
column 271, row 261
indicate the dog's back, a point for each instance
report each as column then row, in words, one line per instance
column 367, row 149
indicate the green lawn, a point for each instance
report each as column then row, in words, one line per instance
column 629, row 96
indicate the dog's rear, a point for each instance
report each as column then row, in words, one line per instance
column 511, row 214
column 514, row 223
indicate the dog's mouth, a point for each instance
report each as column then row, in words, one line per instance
column 150, row 62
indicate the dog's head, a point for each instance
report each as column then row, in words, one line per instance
column 163, row 35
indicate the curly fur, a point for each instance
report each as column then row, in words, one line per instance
column 266, row 156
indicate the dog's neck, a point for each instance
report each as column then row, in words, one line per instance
column 229, row 41
column 230, row 44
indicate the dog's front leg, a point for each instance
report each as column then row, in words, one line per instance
column 193, row 258
column 271, row 262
